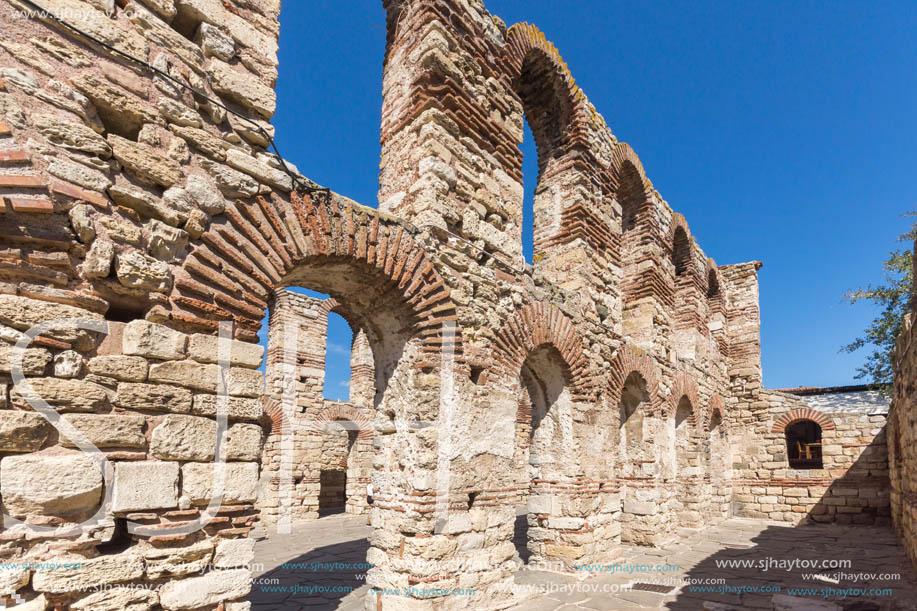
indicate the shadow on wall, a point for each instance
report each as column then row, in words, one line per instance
column 861, row 494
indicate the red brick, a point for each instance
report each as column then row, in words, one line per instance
column 96, row 199
column 21, row 180
column 36, row 206
column 5, row 129
column 2, row 85
column 14, row 156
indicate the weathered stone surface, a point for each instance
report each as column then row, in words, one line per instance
column 204, row 195
column 186, row 373
column 138, row 271
column 113, row 568
column 145, row 162
column 39, row 603
column 234, row 553
column 34, row 360
column 242, row 31
column 22, row 431
column 163, row 8
column 121, row 230
column 118, row 599
column 202, row 140
column 245, row 382
column 242, row 88
column 81, row 221
column 157, row 31
column 244, row 442
column 178, row 113
column 156, row 397
column 146, row 485
column 184, row 438
column 13, row 578
column 28, row 55
column 96, row 24
column 209, row 589
column 144, row 204
column 172, row 561
column 264, row 173
column 67, row 364
column 79, row 174
column 120, row 111
column 49, row 485
column 108, row 431
column 65, row 395
column 166, row 242
column 124, row 368
column 231, row 182
column 71, row 135
column 98, row 260
column 240, row 481
column 204, row 348
column 22, row 313
column 239, row 408
column 214, row 43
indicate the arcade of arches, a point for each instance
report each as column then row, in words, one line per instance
column 613, row 388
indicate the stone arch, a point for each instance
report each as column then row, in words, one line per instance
column 339, row 411
column 248, row 251
column 624, row 164
column 714, row 405
column 679, row 231
column 806, row 413
column 538, row 325
column 627, row 360
column 684, row 387
column 713, row 280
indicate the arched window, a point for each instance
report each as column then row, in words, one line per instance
column 683, row 435
column 631, row 195
column 681, row 252
column 803, row 445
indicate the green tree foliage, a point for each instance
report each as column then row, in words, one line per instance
column 894, row 300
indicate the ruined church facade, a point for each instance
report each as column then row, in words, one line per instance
column 613, row 385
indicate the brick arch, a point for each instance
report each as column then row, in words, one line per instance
column 243, row 257
column 684, row 387
column 679, row 222
column 802, row 413
column 623, row 157
column 712, row 269
column 538, row 325
column 627, row 360
column 273, row 409
column 714, row 404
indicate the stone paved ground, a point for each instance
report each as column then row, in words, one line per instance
column 698, row 556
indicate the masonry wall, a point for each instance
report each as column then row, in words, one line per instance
column 109, row 177
column 902, row 434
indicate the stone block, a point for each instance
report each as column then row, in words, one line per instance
column 184, row 438
column 239, row 408
column 156, row 397
column 118, row 599
column 22, row 313
column 49, row 485
column 206, row 590
column 34, row 360
column 65, row 395
column 136, row 270
column 144, row 162
column 123, row 368
column 108, row 431
column 88, row 573
column 174, row 561
column 242, row 87
column 204, row 349
column 146, row 485
column 234, row 553
column 240, row 481
column 151, row 340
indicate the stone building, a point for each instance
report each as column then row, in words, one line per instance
column 613, row 386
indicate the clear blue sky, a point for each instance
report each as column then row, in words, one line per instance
column 784, row 131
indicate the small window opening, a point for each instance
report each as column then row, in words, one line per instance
column 472, row 497
column 477, row 375
column 803, row 445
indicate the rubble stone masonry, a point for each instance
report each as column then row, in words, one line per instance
column 613, row 386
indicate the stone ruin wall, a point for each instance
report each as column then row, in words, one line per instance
column 902, row 438
column 129, row 200
column 319, row 445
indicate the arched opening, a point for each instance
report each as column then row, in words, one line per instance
column 713, row 284
column 338, row 441
column 684, row 458
column 544, row 393
column 681, row 252
column 632, row 197
column 634, row 398
column 803, row 445
column 544, row 125
column 339, row 346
